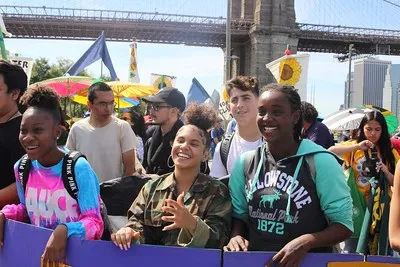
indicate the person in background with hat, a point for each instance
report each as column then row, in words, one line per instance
column 165, row 109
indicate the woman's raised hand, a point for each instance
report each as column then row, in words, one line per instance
column 365, row 145
column 180, row 215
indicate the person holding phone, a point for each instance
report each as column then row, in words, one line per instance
column 368, row 155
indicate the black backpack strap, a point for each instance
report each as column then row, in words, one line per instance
column 224, row 149
column 24, row 168
column 68, row 173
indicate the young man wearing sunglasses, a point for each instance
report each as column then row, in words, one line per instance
column 107, row 142
column 165, row 109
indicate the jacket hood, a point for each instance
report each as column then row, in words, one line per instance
column 308, row 147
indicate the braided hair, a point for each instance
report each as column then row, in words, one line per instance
column 295, row 102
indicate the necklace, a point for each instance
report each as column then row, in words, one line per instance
column 12, row 116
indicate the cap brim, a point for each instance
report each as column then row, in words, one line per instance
column 153, row 99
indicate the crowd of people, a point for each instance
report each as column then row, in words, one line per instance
column 277, row 182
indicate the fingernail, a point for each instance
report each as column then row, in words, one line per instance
column 129, row 245
column 120, row 246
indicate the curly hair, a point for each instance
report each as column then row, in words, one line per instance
column 243, row 83
column 45, row 99
column 295, row 102
column 203, row 117
column 308, row 112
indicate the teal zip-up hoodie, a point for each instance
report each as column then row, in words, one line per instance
column 283, row 200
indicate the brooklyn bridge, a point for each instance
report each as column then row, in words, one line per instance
column 260, row 30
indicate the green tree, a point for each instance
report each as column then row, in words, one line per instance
column 42, row 70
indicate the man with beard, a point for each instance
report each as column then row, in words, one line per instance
column 107, row 142
column 165, row 109
column 13, row 83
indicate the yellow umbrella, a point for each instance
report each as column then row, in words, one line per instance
column 83, row 101
column 126, row 89
column 123, row 90
column 129, row 89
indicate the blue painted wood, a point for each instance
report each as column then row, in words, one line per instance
column 383, row 259
column 240, row 259
column 24, row 245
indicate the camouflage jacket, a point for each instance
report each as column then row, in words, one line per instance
column 207, row 198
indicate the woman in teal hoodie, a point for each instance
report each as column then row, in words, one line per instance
column 289, row 195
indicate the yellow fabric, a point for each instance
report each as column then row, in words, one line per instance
column 83, row 101
column 357, row 165
column 360, row 263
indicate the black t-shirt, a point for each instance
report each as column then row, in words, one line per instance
column 10, row 150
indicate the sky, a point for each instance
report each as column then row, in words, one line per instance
column 325, row 74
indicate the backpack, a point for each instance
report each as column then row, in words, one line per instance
column 67, row 173
column 224, row 149
column 119, row 193
column 69, row 181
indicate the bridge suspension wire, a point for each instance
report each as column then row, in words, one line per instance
column 378, row 14
column 212, row 8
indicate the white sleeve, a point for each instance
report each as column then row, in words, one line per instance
column 217, row 168
column 128, row 138
column 71, row 140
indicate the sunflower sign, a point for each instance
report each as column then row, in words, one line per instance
column 160, row 81
column 133, row 71
column 291, row 70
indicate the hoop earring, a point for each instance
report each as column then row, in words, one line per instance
column 173, row 165
column 205, row 166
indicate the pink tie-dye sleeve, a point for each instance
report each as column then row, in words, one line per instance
column 89, row 224
column 17, row 212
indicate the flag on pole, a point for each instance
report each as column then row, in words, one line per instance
column 197, row 93
column 3, row 27
column 2, row 43
column 133, row 71
column 214, row 100
column 98, row 50
column 160, row 81
column 291, row 70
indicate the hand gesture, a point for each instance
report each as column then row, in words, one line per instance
column 382, row 167
column 291, row 254
column 54, row 252
column 181, row 217
column 237, row 243
column 124, row 237
column 365, row 145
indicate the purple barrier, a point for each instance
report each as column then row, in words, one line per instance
column 24, row 245
column 383, row 259
column 240, row 259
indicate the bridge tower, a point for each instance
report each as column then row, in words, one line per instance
column 268, row 38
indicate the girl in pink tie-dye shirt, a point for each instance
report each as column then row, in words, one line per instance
column 45, row 202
